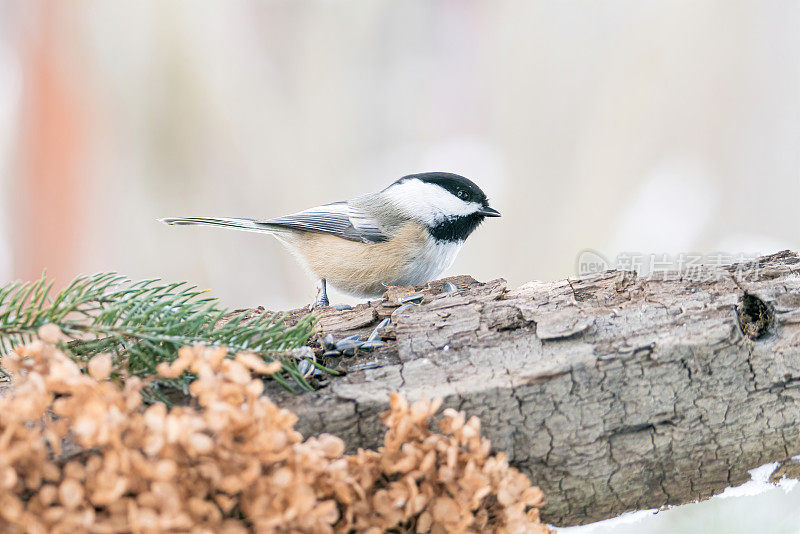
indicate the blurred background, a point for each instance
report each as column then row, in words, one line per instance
column 619, row 126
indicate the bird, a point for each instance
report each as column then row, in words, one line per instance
column 408, row 233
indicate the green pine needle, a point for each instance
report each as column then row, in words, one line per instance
column 144, row 323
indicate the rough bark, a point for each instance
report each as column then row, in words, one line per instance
column 612, row 392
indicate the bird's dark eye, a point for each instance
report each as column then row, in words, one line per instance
column 463, row 195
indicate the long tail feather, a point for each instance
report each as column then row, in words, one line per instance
column 249, row 225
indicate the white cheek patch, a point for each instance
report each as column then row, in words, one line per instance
column 428, row 202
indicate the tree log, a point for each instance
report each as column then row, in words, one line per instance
column 612, row 392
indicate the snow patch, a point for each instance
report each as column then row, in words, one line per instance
column 758, row 484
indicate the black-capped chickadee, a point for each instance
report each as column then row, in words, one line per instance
column 406, row 234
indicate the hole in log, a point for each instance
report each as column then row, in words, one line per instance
column 754, row 315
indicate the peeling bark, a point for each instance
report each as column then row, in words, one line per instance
column 612, row 392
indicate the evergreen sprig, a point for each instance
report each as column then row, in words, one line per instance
column 144, row 323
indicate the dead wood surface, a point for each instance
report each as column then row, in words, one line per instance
column 612, row 392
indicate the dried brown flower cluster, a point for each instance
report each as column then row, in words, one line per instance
column 80, row 453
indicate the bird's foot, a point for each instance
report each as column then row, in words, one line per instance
column 323, row 295
column 326, row 303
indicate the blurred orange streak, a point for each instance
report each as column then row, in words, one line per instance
column 53, row 155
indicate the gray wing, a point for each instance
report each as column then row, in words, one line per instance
column 339, row 219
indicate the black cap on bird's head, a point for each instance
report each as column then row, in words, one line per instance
column 459, row 186
column 452, row 206
column 463, row 188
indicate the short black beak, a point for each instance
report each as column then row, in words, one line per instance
column 486, row 211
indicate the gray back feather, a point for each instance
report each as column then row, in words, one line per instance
column 351, row 220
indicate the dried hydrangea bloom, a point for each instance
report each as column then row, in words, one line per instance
column 80, row 451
